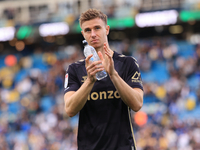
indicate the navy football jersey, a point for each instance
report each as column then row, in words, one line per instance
column 105, row 121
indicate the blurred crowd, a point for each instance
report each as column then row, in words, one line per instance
column 171, row 79
column 32, row 115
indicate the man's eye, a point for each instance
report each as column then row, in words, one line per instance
column 87, row 30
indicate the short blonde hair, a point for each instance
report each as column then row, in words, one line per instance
column 92, row 14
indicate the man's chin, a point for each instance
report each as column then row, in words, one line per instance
column 96, row 46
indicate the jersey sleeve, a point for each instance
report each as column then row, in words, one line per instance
column 133, row 73
column 71, row 80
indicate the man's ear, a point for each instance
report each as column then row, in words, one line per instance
column 82, row 33
column 107, row 29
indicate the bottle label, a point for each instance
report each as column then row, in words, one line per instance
column 91, row 59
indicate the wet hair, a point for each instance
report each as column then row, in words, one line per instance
column 92, row 14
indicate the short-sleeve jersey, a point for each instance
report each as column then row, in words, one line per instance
column 105, row 121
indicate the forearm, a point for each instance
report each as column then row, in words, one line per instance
column 131, row 97
column 74, row 101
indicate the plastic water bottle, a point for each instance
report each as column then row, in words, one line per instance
column 91, row 50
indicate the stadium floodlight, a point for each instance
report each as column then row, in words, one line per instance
column 53, row 29
column 157, row 18
column 7, row 33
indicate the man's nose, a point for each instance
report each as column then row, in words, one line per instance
column 93, row 33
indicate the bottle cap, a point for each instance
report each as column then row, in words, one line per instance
column 85, row 42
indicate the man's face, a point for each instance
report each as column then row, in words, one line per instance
column 95, row 32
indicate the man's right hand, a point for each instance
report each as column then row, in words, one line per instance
column 92, row 68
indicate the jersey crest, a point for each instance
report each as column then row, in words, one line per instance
column 83, row 78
